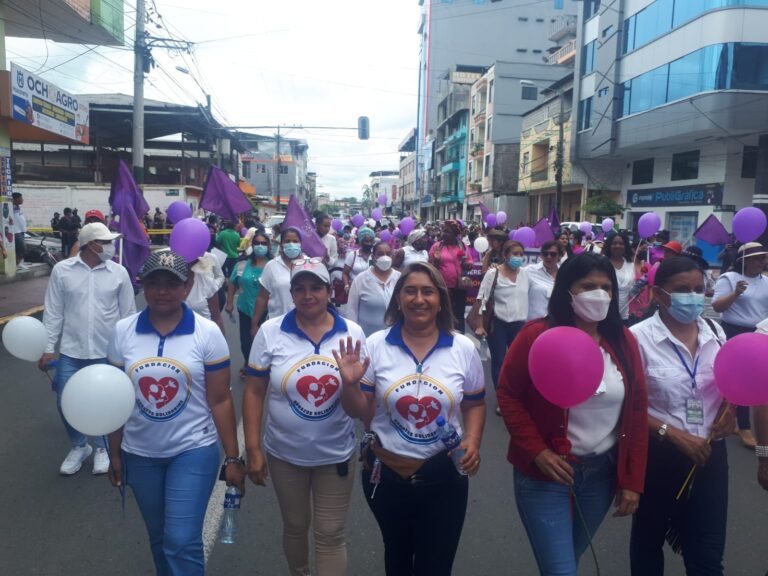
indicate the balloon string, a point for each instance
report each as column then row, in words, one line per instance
column 694, row 467
column 120, row 488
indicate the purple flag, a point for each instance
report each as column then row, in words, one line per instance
column 484, row 211
column 128, row 205
column 554, row 222
column 543, row 232
column 712, row 231
column 297, row 217
column 222, row 196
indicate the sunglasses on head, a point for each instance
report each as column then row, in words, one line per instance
column 307, row 260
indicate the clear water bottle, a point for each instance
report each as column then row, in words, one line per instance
column 483, row 350
column 452, row 440
column 228, row 533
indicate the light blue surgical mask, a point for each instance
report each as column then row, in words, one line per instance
column 685, row 307
column 292, row 249
column 515, row 262
column 260, row 250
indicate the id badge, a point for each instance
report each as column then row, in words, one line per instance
column 694, row 411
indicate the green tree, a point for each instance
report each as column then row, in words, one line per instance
column 602, row 205
column 367, row 203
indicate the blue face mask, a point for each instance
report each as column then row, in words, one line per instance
column 260, row 250
column 515, row 262
column 292, row 249
column 685, row 307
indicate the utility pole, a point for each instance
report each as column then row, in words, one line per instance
column 139, row 66
column 559, row 159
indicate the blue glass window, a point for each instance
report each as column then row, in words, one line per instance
column 589, row 55
column 585, row 113
column 700, row 71
column 750, row 67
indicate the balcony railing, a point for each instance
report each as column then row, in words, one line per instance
column 564, row 54
column 562, row 26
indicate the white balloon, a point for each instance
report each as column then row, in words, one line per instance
column 25, row 337
column 98, row 399
column 481, row 244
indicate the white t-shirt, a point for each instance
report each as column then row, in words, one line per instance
column 171, row 414
column 208, row 279
column 510, row 298
column 749, row 308
column 368, row 300
column 331, row 249
column 409, row 400
column 593, row 425
column 356, row 262
column 539, row 291
column 305, row 424
column 411, row 255
column 625, row 276
column 276, row 278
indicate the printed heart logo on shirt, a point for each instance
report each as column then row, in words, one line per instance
column 317, row 390
column 419, row 411
column 158, row 392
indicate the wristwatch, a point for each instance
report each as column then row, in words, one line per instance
column 662, row 431
column 234, row 460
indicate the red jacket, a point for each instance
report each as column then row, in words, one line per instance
column 534, row 423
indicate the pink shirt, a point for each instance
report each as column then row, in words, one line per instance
column 450, row 262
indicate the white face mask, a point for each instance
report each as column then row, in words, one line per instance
column 383, row 263
column 107, row 252
column 591, row 306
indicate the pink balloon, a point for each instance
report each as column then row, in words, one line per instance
column 749, row 224
column 376, row 214
column 576, row 374
column 740, row 369
column 407, row 225
column 648, row 224
column 385, row 236
column 652, row 274
column 190, row 239
column 526, row 236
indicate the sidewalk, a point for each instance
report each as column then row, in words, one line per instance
column 23, row 294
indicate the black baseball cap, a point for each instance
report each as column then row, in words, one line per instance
column 167, row 260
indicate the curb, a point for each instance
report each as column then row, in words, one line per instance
column 28, row 312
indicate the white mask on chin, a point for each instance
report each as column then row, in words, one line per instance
column 591, row 306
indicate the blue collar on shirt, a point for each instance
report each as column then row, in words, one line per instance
column 290, row 326
column 395, row 338
column 185, row 326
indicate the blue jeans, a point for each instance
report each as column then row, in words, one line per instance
column 555, row 529
column 499, row 340
column 66, row 369
column 172, row 494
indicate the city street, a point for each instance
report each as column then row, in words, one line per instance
column 56, row 525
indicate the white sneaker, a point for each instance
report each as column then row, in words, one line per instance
column 74, row 460
column 100, row 461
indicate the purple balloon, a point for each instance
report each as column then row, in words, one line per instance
column 608, row 225
column 511, row 234
column 243, row 231
column 358, row 220
column 501, row 217
column 178, row 211
column 648, row 224
column 382, row 199
column 585, row 227
column 190, row 239
column 397, row 233
column 526, row 236
column 460, row 221
column 385, row 236
column 337, row 224
column 490, row 220
column 749, row 224
column 376, row 214
column 407, row 225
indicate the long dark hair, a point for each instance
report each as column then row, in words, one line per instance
column 560, row 304
column 609, row 240
column 444, row 319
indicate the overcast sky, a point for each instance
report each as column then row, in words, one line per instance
column 264, row 63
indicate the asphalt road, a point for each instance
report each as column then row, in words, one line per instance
column 54, row 525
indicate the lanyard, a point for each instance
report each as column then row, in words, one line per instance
column 691, row 373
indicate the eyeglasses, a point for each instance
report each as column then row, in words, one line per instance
column 550, row 254
column 260, row 243
column 307, row 260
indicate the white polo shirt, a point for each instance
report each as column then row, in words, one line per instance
column 410, row 396
column 540, row 291
column 669, row 382
column 171, row 414
column 306, row 424
column 276, row 278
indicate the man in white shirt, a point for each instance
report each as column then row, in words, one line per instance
column 86, row 296
column 19, row 228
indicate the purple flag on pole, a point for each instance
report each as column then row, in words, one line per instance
column 484, row 211
column 297, row 217
column 222, row 196
column 128, row 205
column 554, row 222
column 712, row 231
column 543, row 232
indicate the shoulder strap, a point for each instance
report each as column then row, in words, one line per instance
column 711, row 324
column 493, row 286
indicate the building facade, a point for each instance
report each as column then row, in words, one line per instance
column 385, row 183
column 406, row 183
column 675, row 93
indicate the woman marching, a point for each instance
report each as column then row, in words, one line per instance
column 686, row 412
column 592, row 454
column 619, row 252
column 356, row 261
column 415, row 250
column 308, row 440
column 450, row 259
column 416, row 371
column 542, row 278
column 371, row 291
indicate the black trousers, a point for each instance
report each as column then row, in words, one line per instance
column 458, row 300
column 742, row 412
column 420, row 522
column 246, row 340
column 702, row 515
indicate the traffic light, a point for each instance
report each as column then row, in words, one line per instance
column 363, row 128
